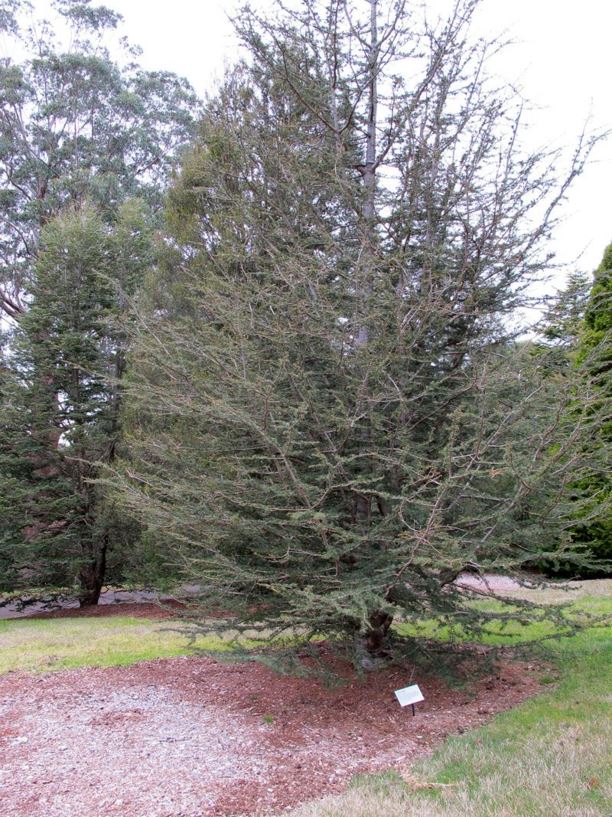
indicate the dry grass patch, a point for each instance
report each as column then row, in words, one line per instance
column 566, row 776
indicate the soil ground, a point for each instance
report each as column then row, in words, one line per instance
column 192, row 737
column 112, row 602
column 148, row 610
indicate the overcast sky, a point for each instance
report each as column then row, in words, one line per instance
column 561, row 59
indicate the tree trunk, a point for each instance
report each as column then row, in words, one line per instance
column 362, row 506
column 368, row 174
column 375, row 637
column 369, row 167
column 91, row 578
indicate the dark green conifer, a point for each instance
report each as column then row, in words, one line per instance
column 81, row 125
column 594, row 357
column 61, row 399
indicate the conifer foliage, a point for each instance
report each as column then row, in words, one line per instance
column 324, row 425
column 594, row 357
column 576, row 333
column 62, row 398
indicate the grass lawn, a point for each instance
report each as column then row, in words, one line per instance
column 550, row 757
column 66, row 643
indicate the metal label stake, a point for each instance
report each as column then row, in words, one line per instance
column 409, row 696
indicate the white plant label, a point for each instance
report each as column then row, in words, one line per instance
column 409, row 695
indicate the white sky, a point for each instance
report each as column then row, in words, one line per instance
column 562, row 61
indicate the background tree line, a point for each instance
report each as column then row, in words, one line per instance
column 294, row 371
column 87, row 146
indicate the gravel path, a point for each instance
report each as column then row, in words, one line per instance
column 119, row 600
column 124, row 748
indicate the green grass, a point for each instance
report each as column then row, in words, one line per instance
column 66, row 643
column 584, row 600
column 550, row 757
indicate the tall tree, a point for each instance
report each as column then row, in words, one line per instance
column 594, row 499
column 78, row 129
column 77, row 125
column 598, row 323
column 68, row 361
column 323, row 421
column 576, row 339
column 563, row 321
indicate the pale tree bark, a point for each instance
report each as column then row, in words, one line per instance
column 368, row 171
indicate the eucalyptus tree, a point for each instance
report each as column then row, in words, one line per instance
column 323, row 422
column 76, row 124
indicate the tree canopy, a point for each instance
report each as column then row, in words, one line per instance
column 276, row 344
column 324, row 424
column 77, row 125
column 594, row 356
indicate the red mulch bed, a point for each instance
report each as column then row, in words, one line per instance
column 132, row 609
column 192, row 737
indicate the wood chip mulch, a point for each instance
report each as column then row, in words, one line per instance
column 192, row 737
